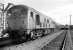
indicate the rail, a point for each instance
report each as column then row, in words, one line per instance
column 67, row 43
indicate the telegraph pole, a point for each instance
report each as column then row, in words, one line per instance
column 70, row 21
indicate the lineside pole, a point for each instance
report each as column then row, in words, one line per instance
column 68, row 41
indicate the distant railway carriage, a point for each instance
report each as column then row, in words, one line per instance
column 26, row 21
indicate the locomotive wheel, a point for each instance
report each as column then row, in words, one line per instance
column 33, row 35
column 36, row 34
column 47, row 31
column 39, row 33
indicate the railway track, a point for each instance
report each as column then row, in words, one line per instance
column 68, row 41
column 7, row 41
column 59, row 42
column 34, row 45
column 56, row 44
column 62, row 42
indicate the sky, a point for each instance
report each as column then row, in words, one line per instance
column 59, row 10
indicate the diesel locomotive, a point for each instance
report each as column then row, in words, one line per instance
column 25, row 22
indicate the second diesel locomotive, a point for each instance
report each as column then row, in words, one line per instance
column 25, row 22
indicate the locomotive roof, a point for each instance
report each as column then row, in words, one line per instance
column 20, row 7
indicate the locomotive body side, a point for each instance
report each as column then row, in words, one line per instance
column 38, row 20
column 38, row 24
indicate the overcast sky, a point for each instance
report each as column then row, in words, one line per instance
column 58, row 10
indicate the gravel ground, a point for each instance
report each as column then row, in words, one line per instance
column 72, row 36
column 55, row 44
column 34, row 45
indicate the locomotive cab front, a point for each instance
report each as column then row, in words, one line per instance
column 17, row 17
column 17, row 21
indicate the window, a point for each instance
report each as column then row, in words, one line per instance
column 47, row 21
column 44, row 20
column 43, row 25
column 46, row 25
column 31, row 14
column 37, row 19
column 23, row 21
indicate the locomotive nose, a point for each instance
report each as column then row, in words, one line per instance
column 18, row 17
column 16, row 24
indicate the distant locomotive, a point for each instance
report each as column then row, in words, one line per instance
column 26, row 22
